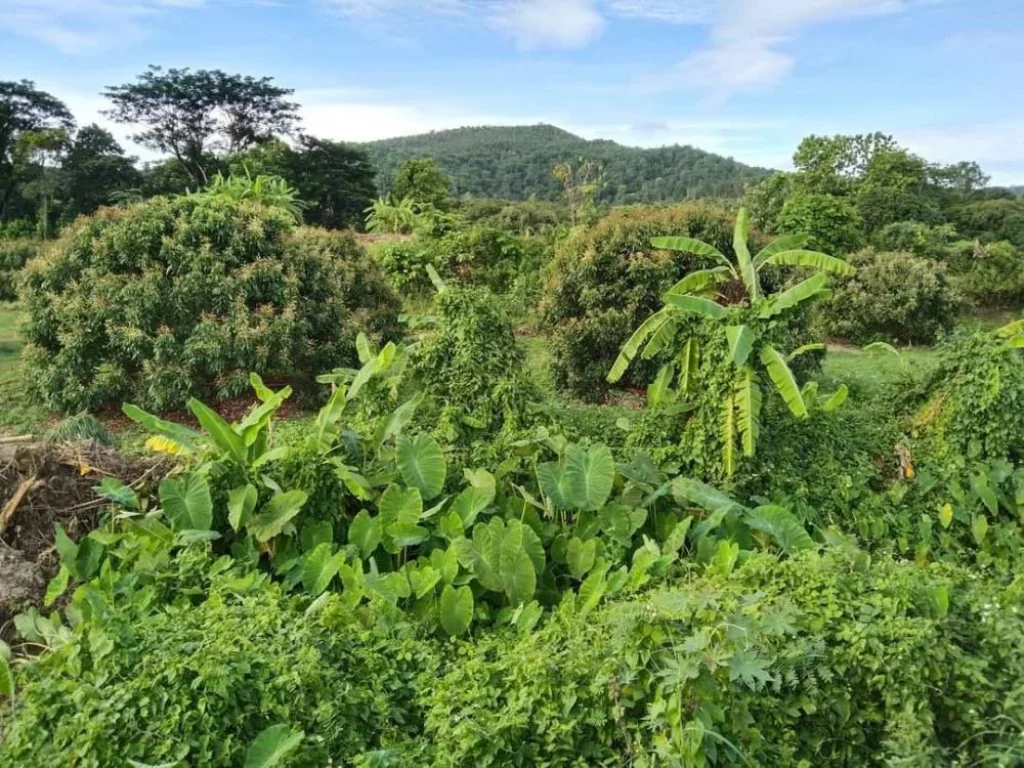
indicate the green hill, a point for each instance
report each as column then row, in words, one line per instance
column 515, row 162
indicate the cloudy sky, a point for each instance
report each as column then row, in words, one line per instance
column 746, row 78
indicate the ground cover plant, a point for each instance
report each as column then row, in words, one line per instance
column 526, row 482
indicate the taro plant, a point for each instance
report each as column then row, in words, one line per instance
column 732, row 304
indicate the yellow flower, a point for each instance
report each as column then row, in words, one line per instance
column 161, row 444
column 909, row 472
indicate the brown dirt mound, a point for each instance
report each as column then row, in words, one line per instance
column 41, row 485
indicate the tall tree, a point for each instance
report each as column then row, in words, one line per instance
column 191, row 114
column 335, row 179
column 423, row 182
column 23, row 109
column 95, row 169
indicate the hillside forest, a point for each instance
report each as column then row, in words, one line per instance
column 500, row 447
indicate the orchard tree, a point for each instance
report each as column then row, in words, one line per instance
column 422, row 181
column 24, row 109
column 193, row 114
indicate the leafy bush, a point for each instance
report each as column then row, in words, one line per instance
column 14, row 254
column 405, row 262
column 605, row 280
column 175, row 297
column 893, row 297
column 832, row 222
column 471, row 371
column 915, row 237
column 196, row 685
column 969, row 409
column 989, row 275
column 774, row 664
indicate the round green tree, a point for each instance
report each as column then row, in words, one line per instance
column 180, row 297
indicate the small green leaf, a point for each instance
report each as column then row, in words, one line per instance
column 57, row 586
column 979, row 528
column 272, row 745
column 241, row 504
column 456, row 609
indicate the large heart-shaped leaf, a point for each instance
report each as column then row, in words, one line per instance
column 320, row 567
column 580, row 556
column 277, row 514
column 364, row 532
column 455, row 610
column 241, row 505
column 422, row 464
column 271, row 746
column 588, row 476
column 186, row 502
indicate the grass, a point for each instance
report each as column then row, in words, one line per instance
column 871, row 372
column 18, row 415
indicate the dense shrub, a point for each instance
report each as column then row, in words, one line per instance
column 471, row 371
column 186, row 296
column 972, row 407
column 989, row 275
column 893, row 297
column 832, row 222
column 988, row 220
column 14, row 254
column 195, row 685
column 814, row 661
column 607, row 279
column 405, row 264
column 915, row 237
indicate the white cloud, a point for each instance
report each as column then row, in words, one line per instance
column 85, row 26
column 997, row 147
column 551, row 23
column 748, row 38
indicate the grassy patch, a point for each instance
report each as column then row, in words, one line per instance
column 871, row 372
column 18, row 415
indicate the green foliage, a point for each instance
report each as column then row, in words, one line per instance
column 729, row 300
column 832, row 222
column 422, row 182
column 514, row 163
column 894, row 297
column 14, row 255
column 471, row 371
column 201, row 684
column 769, row 665
column 185, row 296
column 607, row 278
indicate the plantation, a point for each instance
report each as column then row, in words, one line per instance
column 299, row 472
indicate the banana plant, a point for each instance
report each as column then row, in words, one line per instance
column 730, row 295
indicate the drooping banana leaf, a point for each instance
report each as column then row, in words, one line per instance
column 748, row 408
column 803, row 350
column 728, row 434
column 813, row 259
column 691, row 245
column 837, row 399
column 700, row 280
column 661, row 337
column 780, row 244
column 647, row 328
column 784, row 381
column 811, row 288
column 697, row 305
column 741, row 341
column 688, row 360
column 739, row 244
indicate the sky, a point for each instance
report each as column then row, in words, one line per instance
column 743, row 78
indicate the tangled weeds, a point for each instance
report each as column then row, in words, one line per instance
column 44, row 484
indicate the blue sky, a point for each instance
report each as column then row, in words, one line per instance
column 746, row 78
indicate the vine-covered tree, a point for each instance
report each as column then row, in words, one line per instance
column 190, row 114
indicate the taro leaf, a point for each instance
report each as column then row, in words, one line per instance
column 423, row 580
column 471, row 502
column 527, row 616
column 588, row 476
column 400, row 505
column 518, row 577
column 272, row 745
column 114, row 490
column 186, row 502
column 241, row 504
column 456, row 609
column 319, row 568
column 983, row 489
column 552, row 482
column 277, row 514
column 686, row 489
column 783, row 526
column 979, row 528
column 314, row 533
column 422, row 464
column 451, row 526
column 407, row 534
column 580, row 556
column 593, row 589
column 364, row 533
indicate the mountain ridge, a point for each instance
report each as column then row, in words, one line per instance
column 515, row 162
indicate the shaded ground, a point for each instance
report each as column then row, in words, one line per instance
column 44, row 485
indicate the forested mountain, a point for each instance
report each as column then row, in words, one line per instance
column 515, row 162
